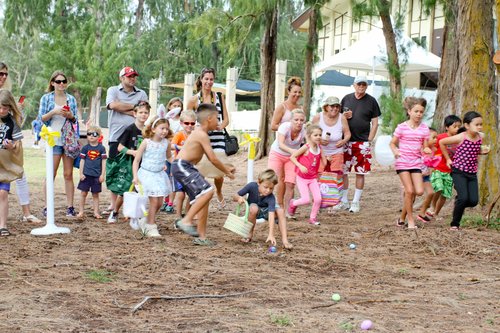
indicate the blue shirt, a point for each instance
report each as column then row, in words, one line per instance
column 254, row 197
column 92, row 157
column 47, row 104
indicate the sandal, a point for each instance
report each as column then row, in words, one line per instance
column 188, row 229
column 30, row 218
column 455, row 228
column 412, row 228
column 400, row 223
column 203, row 242
column 423, row 219
column 4, row 232
column 221, row 204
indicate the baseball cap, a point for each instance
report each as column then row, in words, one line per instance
column 359, row 79
column 332, row 100
column 128, row 71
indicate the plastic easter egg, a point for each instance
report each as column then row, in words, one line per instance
column 352, row 246
column 383, row 152
column 366, row 325
column 336, row 297
column 272, row 249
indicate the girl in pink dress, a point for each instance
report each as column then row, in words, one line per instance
column 406, row 145
column 307, row 160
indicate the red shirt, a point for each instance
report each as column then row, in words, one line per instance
column 311, row 161
column 451, row 151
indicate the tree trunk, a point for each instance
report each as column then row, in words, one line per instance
column 466, row 81
column 312, row 44
column 139, row 14
column 268, row 53
column 391, row 47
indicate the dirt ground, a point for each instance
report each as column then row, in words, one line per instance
column 429, row 280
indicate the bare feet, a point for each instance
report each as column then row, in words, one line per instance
column 80, row 215
column 287, row 245
column 246, row 240
column 97, row 216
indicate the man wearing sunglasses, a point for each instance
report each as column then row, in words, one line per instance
column 361, row 111
column 120, row 102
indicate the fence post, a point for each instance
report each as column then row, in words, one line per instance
column 279, row 93
column 188, row 87
column 231, row 79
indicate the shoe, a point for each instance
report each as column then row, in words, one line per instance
column 4, row 232
column 44, row 211
column 169, row 209
column 291, row 208
column 400, row 223
column 163, row 207
column 221, row 204
column 423, row 219
column 70, row 211
column 203, row 242
column 429, row 214
column 354, row 207
column 30, row 218
column 113, row 217
column 151, row 230
column 341, row 206
column 314, row 222
column 188, row 229
column 134, row 224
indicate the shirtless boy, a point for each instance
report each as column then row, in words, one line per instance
column 197, row 188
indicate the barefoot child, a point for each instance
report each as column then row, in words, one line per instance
column 406, row 145
column 464, row 164
column 10, row 136
column 151, row 156
column 92, row 170
column 307, row 160
column 194, row 184
column 188, row 121
column 262, row 205
column 441, row 180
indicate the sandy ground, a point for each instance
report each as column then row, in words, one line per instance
column 429, row 280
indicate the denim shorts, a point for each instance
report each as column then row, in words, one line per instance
column 57, row 150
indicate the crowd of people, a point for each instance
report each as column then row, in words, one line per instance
column 169, row 156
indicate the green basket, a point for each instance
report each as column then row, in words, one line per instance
column 239, row 224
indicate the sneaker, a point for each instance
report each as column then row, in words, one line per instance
column 30, row 218
column 354, row 207
column 113, row 217
column 291, row 208
column 164, row 207
column 151, row 230
column 169, row 209
column 70, row 211
column 44, row 211
column 314, row 222
column 341, row 206
column 134, row 224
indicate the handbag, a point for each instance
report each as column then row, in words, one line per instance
column 71, row 146
column 231, row 143
column 119, row 173
column 330, row 186
column 11, row 163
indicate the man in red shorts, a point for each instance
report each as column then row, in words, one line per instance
column 361, row 111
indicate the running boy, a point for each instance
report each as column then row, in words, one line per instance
column 262, row 205
column 198, row 189
column 92, row 169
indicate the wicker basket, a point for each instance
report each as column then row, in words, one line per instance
column 239, row 224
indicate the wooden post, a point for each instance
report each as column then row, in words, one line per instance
column 188, row 87
column 95, row 108
column 153, row 96
column 231, row 79
column 280, row 82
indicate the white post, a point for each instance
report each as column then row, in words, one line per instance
column 49, row 228
column 279, row 92
column 188, row 87
column 153, row 96
column 231, row 79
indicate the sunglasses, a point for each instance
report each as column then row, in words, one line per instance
column 60, row 81
column 94, row 134
column 142, row 103
column 4, row 74
column 189, row 123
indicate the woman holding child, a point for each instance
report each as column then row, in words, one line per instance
column 290, row 136
column 204, row 84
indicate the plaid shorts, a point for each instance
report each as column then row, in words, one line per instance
column 442, row 182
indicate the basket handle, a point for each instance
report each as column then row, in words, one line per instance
column 237, row 212
column 138, row 188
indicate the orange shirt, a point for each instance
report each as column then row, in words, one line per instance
column 178, row 141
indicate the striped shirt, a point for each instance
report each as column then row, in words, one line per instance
column 410, row 146
column 216, row 137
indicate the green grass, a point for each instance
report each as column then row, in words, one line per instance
column 99, row 275
column 346, row 326
column 281, row 320
column 476, row 221
column 34, row 166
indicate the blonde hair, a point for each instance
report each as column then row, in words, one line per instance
column 50, row 87
column 94, row 128
column 300, row 111
column 188, row 114
column 268, row 175
column 7, row 99
column 147, row 131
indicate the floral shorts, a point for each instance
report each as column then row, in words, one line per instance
column 357, row 155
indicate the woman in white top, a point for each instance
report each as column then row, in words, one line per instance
column 290, row 136
column 283, row 112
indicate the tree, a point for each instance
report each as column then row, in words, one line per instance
column 466, row 80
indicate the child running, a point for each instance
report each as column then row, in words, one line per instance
column 307, row 160
column 441, row 180
column 464, row 164
column 262, row 205
column 193, row 183
column 92, row 170
column 406, row 145
column 151, row 156
column 429, row 163
column 188, row 121
column 10, row 164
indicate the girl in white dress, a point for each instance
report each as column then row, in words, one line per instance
column 153, row 152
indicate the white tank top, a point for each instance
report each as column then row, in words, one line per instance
column 336, row 133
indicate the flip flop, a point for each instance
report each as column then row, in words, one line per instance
column 400, row 223
column 4, row 232
column 188, row 229
column 203, row 242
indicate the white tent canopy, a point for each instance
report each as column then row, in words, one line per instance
column 369, row 54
